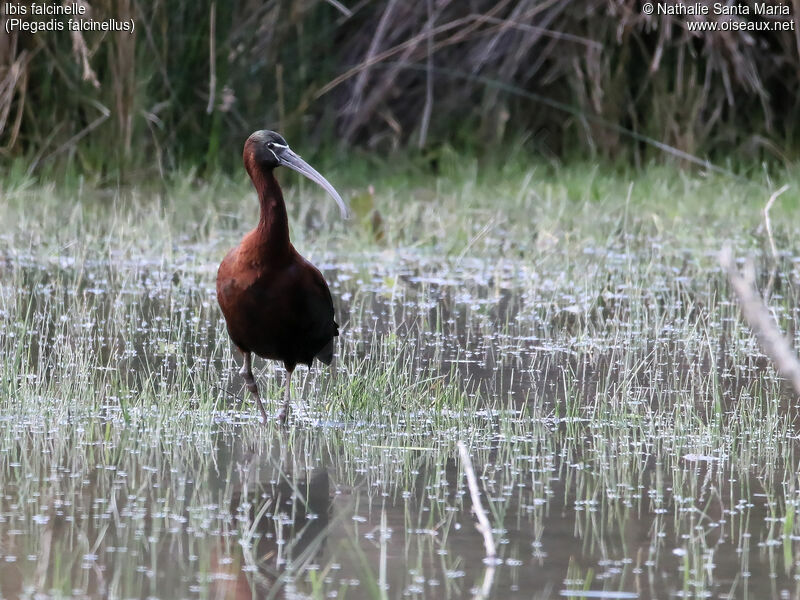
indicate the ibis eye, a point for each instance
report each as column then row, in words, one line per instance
column 270, row 145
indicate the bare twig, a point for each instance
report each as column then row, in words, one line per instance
column 72, row 142
column 212, row 62
column 81, row 51
column 382, row 56
column 14, row 82
column 340, row 7
column 377, row 39
column 482, row 525
column 767, row 223
column 773, row 248
column 280, row 94
column 426, row 112
column 544, row 32
column 758, row 317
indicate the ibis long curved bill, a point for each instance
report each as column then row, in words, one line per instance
column 287, row 158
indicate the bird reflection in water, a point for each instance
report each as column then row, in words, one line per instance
column 283, row 523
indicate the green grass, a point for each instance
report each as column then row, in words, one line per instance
column 570, row 324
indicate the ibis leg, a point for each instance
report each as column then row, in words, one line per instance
column 287, row 396
column 250, row 381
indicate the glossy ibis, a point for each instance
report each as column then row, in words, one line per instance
column 276, row 304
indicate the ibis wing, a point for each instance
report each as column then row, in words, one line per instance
column 320, row 325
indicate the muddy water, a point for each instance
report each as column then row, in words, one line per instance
column 596, row 482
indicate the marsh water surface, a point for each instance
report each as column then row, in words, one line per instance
column 629, row 439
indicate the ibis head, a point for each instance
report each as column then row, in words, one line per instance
column 268, row 150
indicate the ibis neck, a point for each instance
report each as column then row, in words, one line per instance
column 273, row 226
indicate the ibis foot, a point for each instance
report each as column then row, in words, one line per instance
column 264, row 416
column 283, row 413
column 250, row 382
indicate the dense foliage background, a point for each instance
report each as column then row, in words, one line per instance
column 563, row 77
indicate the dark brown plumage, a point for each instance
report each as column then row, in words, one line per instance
column 276, row 304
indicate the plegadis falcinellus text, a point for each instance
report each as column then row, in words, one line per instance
column 276, row 304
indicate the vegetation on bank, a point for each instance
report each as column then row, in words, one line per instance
column 514, row 204
column 588, row 78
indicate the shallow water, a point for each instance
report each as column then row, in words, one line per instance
column 357, row 511
column 629, row 440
